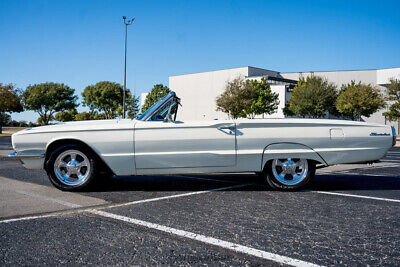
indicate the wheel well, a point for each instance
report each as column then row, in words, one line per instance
column 56, row 144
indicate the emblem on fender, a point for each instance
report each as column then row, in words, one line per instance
column 379, row 134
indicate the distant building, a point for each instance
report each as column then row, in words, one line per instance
column 142, row 98
column 198, row 91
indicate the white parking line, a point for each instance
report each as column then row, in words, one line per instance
column 394, row 165
column 360, row 174
column 208, row 240
column 356, row 196
column 370, row 174
column 109, row 206
column 173, row 196
column 205, row 179
column 391, row 160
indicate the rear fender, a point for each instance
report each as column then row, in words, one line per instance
column 290, row 150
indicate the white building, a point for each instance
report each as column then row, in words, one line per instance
column 198, row 91
column 142, row 99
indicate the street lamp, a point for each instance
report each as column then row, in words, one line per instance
column 127, row 23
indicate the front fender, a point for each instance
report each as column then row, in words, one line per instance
column 289, row 150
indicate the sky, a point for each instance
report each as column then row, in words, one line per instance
column 80, row 43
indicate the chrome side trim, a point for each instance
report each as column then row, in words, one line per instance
column 15, row 155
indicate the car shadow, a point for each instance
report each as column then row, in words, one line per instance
column 337, row 182
column 179, row 183
column 326, row 182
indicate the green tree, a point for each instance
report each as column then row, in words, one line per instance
column 84, row 116
column 44, row 121
column 263, row 100
column 356, row 100
column 237, row 96
column 157, row 92
column 99, row 116
column 67, row 115
column 106, row 97
column 393, row 95
column 5, row 119
column 312, row 97
column 48, row 98
column 10, row 101
column 132, row 107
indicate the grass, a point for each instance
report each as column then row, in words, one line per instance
column 11, row 130
column 7, row 131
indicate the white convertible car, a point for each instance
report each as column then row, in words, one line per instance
column 284, row 152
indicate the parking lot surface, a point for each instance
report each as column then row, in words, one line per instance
column 348, row 215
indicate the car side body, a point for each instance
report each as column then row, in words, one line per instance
column 153, row 147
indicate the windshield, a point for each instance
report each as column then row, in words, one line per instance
column 155, row 106
column 168, row 109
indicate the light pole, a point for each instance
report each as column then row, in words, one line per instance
column 127, row 23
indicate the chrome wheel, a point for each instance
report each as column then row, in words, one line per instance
column 290, row 171
column 72, row 167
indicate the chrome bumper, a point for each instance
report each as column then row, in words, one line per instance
column 15, row 155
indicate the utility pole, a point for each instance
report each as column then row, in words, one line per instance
column 127, row 23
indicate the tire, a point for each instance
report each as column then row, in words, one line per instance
column 71, row 168
column 288, row 174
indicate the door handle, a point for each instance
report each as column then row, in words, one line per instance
column 231, row 128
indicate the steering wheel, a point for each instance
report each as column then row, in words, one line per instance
column 159, row 118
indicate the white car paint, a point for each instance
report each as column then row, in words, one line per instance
column 131, row 147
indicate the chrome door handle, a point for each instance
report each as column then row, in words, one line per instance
column 227, row 127
column 232, row 128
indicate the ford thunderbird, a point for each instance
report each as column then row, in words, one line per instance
column 284, row 152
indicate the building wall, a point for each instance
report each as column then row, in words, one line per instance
column 337, row 77
column 142, row 99
column 384, row 75
column 199, row 91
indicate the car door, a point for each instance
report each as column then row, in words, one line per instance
column 196, row 144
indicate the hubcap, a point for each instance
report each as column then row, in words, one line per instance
column 72, row 167
column 290, row 171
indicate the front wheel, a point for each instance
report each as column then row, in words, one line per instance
column 71, row 168
column 288, row 174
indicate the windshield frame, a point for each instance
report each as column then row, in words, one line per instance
column 156, row 106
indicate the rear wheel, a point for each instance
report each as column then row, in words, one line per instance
column 71, row 168
column 288, row 174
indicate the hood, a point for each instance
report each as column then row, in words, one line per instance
column 78, row 126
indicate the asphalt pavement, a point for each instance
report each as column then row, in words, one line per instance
column 348, row 215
